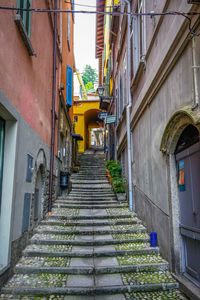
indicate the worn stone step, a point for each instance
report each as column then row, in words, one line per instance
column 87, row 202
column 97, row 217
column 139, row 229
column 88, row 181
column 92, row 222
column 78, row 201
column 91, row 191
column 92, row 186
column 86, row 254
column 24, row 290
column 39, row 239
column 90, row 195
column 94, row 176
column 125, row 270
column 117, row 205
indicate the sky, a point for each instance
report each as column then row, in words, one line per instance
column 84, row 36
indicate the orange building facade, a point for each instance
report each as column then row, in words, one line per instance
column 26, row 94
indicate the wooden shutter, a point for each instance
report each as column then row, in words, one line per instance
column 69, row 86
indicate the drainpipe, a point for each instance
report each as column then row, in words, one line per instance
column 128, row 108
column 53, row 112
column 195, row 73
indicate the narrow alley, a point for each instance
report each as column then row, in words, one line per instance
column 92, row 247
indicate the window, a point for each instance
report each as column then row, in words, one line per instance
column 122, row 88
column 75, row 118
column 25, row 15
column 68, row 30
column 139, row 36
column 2, row 137
column 69, row 86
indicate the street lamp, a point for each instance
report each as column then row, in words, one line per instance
column 100, row 90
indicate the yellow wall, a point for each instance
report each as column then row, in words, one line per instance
column 79, row 109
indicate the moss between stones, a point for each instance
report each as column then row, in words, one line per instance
column 43, row 280
column 160, row 295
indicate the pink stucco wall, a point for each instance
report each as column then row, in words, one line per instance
column 27, row 81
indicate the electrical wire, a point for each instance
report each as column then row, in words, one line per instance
column 113, row 13
column 93, row 6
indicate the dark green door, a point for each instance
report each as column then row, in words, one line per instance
column 2, row 137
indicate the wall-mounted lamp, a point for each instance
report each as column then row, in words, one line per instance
column 100, row 90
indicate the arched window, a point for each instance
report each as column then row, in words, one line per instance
column 189, row 137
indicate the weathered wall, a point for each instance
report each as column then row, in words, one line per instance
column 163, row 85
column 24, row 79
column 27, row 142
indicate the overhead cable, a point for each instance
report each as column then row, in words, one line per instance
column 113, row 13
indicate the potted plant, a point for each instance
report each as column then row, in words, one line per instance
column 119, row 188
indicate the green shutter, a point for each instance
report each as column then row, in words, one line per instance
column 25, row 15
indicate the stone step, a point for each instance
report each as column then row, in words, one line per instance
column 169, row 294
column 68, row 248
column 88, row 181
column 85, row 291
column 93, row 190
column 97, row 217
column 92, row 222
column 39, row 239
column 97, row 194
column 76, row 270
column 138, row 229
column 85, row 202
column 93, row 254
column 117, row 205
column 99, row 187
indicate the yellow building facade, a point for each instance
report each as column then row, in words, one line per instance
column 85, row 117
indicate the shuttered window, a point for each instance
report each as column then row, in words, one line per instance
column 69, row 86
column 25, row 15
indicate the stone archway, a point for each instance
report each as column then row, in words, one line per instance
column 175, row 127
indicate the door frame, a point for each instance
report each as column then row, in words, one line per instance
column 173, row 130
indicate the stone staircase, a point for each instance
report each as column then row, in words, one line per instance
column 92, row 247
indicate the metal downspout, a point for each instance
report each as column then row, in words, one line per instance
column 53, row 111
column 128, row 107
column 195, row 73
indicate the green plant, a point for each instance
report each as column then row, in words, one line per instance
column 119, row 185
column 114, row 168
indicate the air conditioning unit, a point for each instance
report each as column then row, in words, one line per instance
column 194, row 1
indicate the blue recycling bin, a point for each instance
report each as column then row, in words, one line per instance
column 153, row 239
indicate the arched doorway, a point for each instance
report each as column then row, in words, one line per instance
column 181, row 143
column 94, row 129
column 187, row 155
